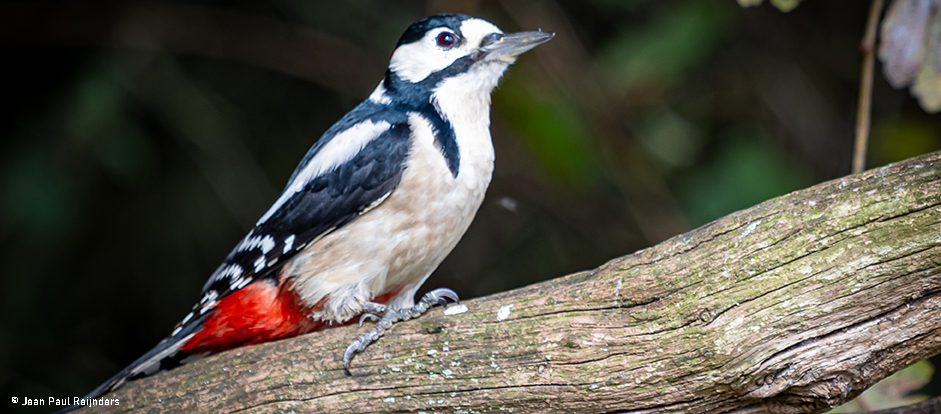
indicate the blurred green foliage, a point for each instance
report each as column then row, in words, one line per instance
column 898, row 139
column 669, row 138
column 552, row 130
column 895, row 391
column 752, row 173
column 783, row 5
column 142, row 140
column 675, row 40
column 96, row 121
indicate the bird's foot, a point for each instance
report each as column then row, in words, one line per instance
column 388, row 316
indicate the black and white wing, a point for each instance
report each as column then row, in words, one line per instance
column 353, row 167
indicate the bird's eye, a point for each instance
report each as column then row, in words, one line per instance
column 446, row 39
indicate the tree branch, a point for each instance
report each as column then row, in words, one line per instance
column 794, row 305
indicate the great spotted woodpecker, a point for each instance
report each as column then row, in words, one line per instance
column 373, row 208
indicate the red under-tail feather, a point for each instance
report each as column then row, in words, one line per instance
column 260, row 312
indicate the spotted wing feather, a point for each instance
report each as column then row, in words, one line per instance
column 325, row 203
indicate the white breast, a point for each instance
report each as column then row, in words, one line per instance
column 399, row 243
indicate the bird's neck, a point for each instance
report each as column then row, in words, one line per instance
column 461, row 101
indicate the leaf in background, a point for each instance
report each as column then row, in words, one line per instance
column 783, row 5
column 749, row 3
column 910, row 49
column 903, row 47
column 927, row 86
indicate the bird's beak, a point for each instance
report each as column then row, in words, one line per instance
column 506, row 47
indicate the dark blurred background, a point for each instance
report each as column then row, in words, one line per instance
column 141, row 141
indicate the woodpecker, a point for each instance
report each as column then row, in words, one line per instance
column 371, row 210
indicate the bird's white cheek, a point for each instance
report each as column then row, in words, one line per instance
column 415, row 61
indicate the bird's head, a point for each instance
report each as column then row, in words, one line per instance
column 444, row 47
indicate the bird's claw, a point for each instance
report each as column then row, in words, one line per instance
column 441, row 296
column 391, row 316
column 366, row 316
column 356, row 346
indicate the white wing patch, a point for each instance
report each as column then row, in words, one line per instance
column 288, row 244
column 339, row 150
column 379, row 95
column 239, row 283
column 259, row 264
column 210, row 296
column 232, row 270
column 250, row 242
column 267, row 243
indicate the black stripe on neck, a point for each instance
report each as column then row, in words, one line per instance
column 416, row 97
column 444, row 136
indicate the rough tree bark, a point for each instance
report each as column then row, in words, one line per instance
column 792, row 306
